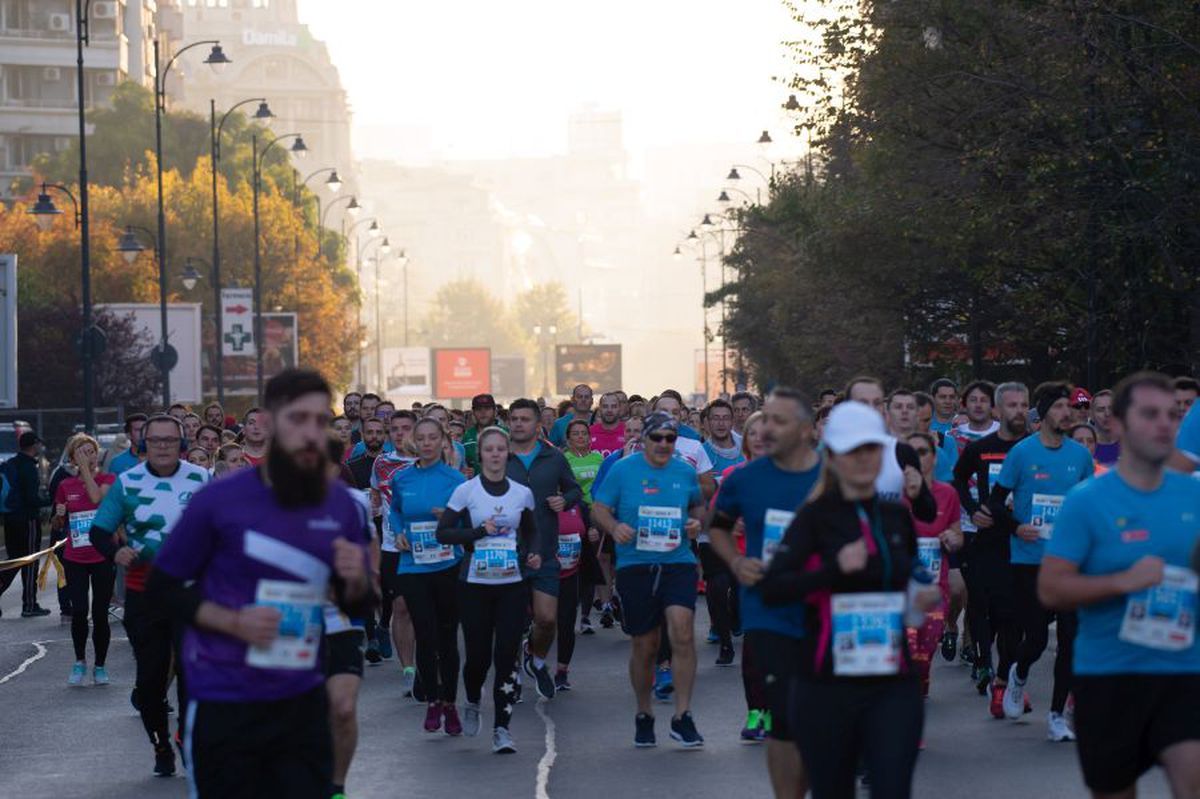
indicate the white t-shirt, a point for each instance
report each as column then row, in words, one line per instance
column 489, row 565
column 692, row 452
column 889, row 485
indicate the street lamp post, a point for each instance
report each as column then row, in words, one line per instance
column 374, row 232
column 551, row 333
column 299, row 148
column 352, row 210
column 215, row 129
column 403, row 259
column 384, row 248
column 217, row 60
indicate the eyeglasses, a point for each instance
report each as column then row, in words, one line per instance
column 159, row 441
column 659, row 438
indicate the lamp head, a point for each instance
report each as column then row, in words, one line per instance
column 299, row 148
column 765, row 138
column 353, row 208
column 217, row 59
column 44, row 211
column 129, row 246
column 733, row 174
column 264, row 111
column 190, row 276
column 334, row 184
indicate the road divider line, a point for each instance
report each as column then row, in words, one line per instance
column 29, row 661
column 548, row 757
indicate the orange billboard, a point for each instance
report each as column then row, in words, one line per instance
column 462, row 373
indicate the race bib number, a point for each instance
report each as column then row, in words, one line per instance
column 659, row 529
column 494, row 561
column 1163, row 617
column 426, row 550
column 868, row 630
column 570, row 547
column 81, row 525
column 1045, row 511
column 929, row 552
column 300, row 611
column 775, row 524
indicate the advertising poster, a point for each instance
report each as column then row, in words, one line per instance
column 508, row 376
column 462, row 373
column 407, row 371
column 183, row 333
column 281, row 347
column 597, row 365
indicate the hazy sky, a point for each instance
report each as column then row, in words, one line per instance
column 488, row 78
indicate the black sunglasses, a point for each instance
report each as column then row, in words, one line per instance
column 659, row 438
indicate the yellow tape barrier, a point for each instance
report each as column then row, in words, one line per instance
column 51, row 554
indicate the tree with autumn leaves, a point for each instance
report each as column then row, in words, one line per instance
column 320, row 289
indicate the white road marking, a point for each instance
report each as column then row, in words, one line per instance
column 548, row 757
column 29, row 661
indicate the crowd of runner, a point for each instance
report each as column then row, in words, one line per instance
column 259, row 563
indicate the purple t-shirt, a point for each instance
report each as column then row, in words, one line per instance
column 1107, row 454
column 242, row 548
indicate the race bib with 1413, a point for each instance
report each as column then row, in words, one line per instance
column 1045, row 511
column 659, row 529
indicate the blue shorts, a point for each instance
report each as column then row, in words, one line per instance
column 546, row 578
column 647, row 590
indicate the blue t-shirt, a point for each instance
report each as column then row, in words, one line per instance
column 361, row 449
column 1039, row 478
column 124, row 462
column 1187, row 440
column 606, row 465
column 765, row 498
column 947, row 458
column 527, row 458
column 654, row 501
column 941, row 427
column 1104, row 527
column 415, row 492
column 687, row 431
column 721, row 462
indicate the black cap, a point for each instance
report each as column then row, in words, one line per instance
column 483, row 401
column 28, row 439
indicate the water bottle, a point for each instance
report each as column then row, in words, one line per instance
column 919, row 579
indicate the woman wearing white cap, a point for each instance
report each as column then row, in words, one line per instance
column 849, row 555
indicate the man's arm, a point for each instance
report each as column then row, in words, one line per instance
column 1062, row 587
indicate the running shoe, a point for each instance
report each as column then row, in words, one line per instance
column 713, row 638
column 100, row 676
column 450, row 723
column 616, row 609
column 643, row 735
column 562, row 681
column 1057, row 728
column 385, row 646
column 164, row 761
column 502, row 742
column 767, row 722
column 606, row 617
column 433, row 717
column 1014, row 694
column 949, row 645
column 470, row 719
column 585, row 626
column 683, row 730
column 36, row 610
column 543, row 683
column 997, row 704
column 664, row 686
column 373, row 654
column 725, row 657
column 408, row 677
column 78, row 672
column 983, row 678
column 755, row 729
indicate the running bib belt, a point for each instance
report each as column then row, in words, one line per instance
column 775, row 524
column 570, row 547
column 1163, row 617
column 426, row 551
column 81, row 525
column 929, row 551
column 494, row 561
column 659, row 529
column 867, row 633
column 1045, row 511
column 300, row 608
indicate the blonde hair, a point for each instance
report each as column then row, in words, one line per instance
column 752, row 419
column 78, row 440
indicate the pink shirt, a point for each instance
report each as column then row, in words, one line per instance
column 72, row 492
column 948, row 512
column 607, row 442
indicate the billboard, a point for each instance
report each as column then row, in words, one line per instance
column 406, row 370
column 183, row 333
column 508, row 376
column 237, row 323
column 280, row 350
column 598, row 365
column 8, row 330
column 462, row 373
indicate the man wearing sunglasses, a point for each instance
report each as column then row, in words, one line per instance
column 650, row 503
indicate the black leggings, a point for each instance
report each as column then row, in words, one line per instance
column 1033, row 621
column 432, row 600
column 568, row 603
column 990, row 609
column 719, row 593
column 155, row 646
column 101, row 576
column 493, row 619
column 837, row 723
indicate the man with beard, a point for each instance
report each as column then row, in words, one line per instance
column 483, row 409
column 1038, row 473
column 350, row 407
column 265, row 548
column 373, row 437
column 608, row 433
column 985, row 556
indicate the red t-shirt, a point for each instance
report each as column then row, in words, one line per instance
column 607, row 442
column 253, row 461
column 570, row 548
column 72, row 492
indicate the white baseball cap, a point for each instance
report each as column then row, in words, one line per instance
column 851, row 425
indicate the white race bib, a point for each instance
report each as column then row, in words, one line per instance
column 570, row 547
column 1163, row 617
column 868, row 631
column 300, row 608
column 659, row 529
column 494, row 561
column 929, row 552
column 1045, row 511
column 426, row 550
column 775, row 524
column 81, row 526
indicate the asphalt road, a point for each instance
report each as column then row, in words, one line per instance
column 88, row 742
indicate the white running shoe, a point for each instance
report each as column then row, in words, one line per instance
column 1057, row 728
column 1014, row 695
column 502, row 742
column 470, row 719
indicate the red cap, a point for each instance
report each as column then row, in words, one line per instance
column 1080, row 396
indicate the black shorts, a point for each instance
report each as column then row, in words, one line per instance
column 389, row 581
column 241, row 750
column 1124, row 721
column 778, row 658
column 344, row 653
column 648, row 590
column 710, row 562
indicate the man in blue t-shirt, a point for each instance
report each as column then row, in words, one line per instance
column 582, row 398
column 1121, row 556
column 1186, row 457
column 764, row 494
column 650, row 503
column 1038, row 473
